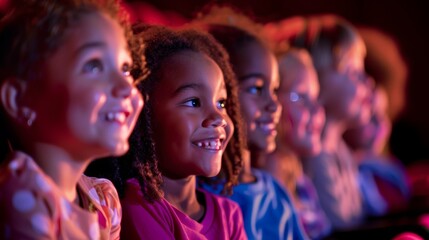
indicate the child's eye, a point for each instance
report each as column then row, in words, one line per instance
column 255, row 90
column 221, row 104
column 294, row 97
column 93, row 66
column 299, row 98
column 126, row 70
column 192, row 103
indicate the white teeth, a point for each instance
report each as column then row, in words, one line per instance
column 212, row 145
column 116, row 116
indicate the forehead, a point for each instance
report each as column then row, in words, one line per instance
column 296, row 70
column 94, row 27
column 187, row 67
column 253, row 57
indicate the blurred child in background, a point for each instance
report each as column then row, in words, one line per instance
column 299, row 137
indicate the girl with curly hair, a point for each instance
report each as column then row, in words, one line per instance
column 189, row 127
column 67, row 97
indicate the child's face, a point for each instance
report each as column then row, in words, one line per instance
column 302, row 117
column 373, row 135
column 257, row 71
column 85, row 101
column 344, row 87
column 190, row 122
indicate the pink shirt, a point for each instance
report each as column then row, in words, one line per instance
column 33, row 207
column 161, row 220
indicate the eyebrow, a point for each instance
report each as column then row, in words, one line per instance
column 251, row 75
column 186, row 87
column 88, row 46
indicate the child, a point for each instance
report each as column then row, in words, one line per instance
column 67, row 97
column 383, row 179
column 338, row 54
column 299, row 135
column 267, row 208
column 186, row 124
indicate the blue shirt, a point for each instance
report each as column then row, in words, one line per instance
column 267, row 208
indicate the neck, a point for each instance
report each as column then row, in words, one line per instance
column 282, row 150
column 332, row 134
column 285, row 166
column 246, row 175
column 181, row 193
column 257, row 158
column 64, row 170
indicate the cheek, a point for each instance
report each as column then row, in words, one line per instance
column 249, row 108
column 298, row 117
column 176, row 129
column 318, row 120
column 229, row 129
column 89, row 104
column 351, row 91
column 137, row 101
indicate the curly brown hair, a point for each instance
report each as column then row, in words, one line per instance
column 33, row 30
column 162, row 43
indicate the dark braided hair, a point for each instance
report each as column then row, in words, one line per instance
column 141, row 161
column 33, row 30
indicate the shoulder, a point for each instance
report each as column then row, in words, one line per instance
column 134, row 202
column 100, row 190
column 224, row 215
column 267, row 180
column 143, row 219
column 220, row 202
column 103, row 195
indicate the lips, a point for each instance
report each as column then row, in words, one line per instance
column 268, row 127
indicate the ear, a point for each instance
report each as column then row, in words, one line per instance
column 11, row 92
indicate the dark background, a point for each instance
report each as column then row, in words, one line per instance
column 404, row 20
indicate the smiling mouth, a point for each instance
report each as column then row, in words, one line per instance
column 213, row 144
column 268, row 128
column 119, row 117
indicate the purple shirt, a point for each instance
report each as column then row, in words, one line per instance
column 161, row 220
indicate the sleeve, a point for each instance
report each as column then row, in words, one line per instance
column 113, row 210
column 338, row 190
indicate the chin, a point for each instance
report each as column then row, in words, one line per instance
column 270, row 147
column 119, row 149
column 211, row 172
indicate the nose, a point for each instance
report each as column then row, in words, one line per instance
column 123, row 86
column 215, row 119
column 362, row 92
column 318, row 114
column 272, row 104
